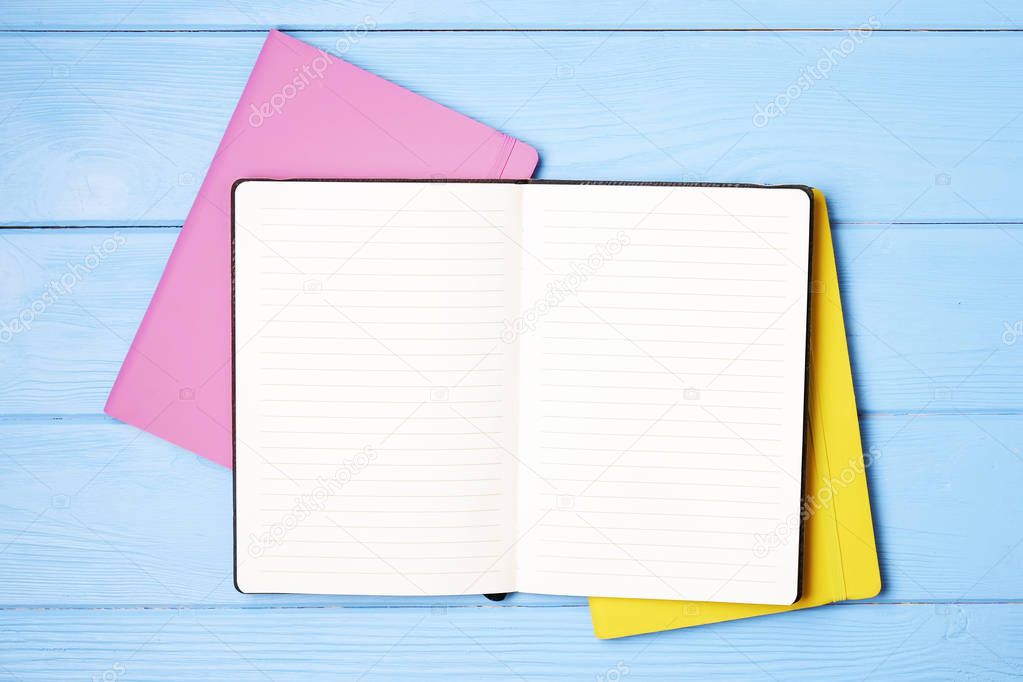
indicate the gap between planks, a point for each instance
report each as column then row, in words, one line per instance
column 102, row 418
column 488, row 605
column 345, row 27
column 835, row 225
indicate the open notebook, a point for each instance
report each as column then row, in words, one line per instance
column 554, row 387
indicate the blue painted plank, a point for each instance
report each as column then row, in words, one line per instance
column 911, row 642
column 506, row 14
column 927, row 310
column 118, row 128
column 88, row 287
column 97, row 514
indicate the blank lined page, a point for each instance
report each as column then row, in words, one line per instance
column 663, row 369
column 375, row 401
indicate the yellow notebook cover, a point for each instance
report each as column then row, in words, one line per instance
column 839, row 554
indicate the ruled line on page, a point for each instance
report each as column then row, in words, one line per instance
column 420, row 282
column 648, row 286
column 680, row 288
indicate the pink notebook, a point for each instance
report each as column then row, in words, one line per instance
column 303, row 113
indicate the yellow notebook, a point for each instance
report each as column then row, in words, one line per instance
column 839, row 555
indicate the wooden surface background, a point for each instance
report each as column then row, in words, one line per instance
column 115, row 551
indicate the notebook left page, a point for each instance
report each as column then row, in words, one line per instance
column 375, row 402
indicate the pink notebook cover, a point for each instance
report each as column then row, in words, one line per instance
column 303, row 113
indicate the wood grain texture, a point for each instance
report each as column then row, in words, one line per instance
column 98, row 513
column 912, row 642
column 115, row 547
column 506, row 15
column 130, row 121
column 925, row 320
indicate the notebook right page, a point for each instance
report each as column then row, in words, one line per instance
column 663, row 335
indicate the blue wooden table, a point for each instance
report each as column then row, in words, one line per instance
column 115, row 547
